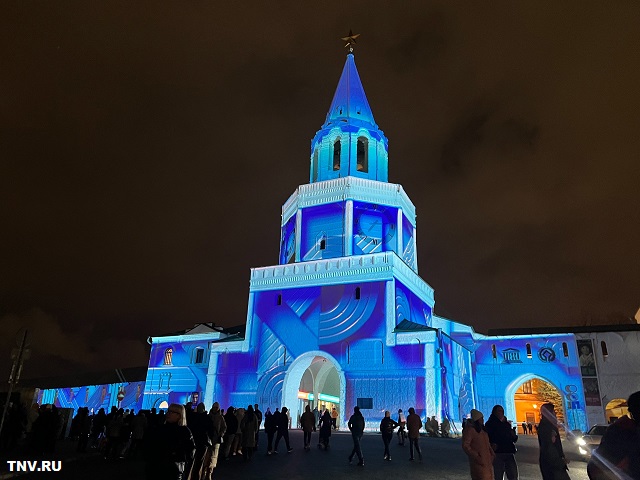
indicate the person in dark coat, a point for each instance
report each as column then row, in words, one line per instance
column 387, row 426
column 308, row 424
column 249, row 427
column 414, row 424
column 259, row 416
column 618, row 455
column 502, row 439
column 232, row 427
column 325, row 430
column 169, row 447
column 283, row 430
column 201, row 427
column 270, row 428
column 356, row 426
column 548, row 426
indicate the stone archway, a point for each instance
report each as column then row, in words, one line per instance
column 294, row 377
column 526, row 394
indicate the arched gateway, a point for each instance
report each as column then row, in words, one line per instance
column 319, row 367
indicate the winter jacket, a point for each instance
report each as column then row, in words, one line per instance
column 476, row 445
column 308, row 421
column 249, row 427
column 356, row 423
column 620, row 446
column 387, row 425
column 501, row 435
column 414, row 424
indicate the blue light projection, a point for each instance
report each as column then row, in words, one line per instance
column 126, row 395
column 346, row 302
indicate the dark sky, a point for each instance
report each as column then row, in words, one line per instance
column 146, row 150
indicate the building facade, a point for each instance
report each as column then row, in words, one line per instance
column 344, row 319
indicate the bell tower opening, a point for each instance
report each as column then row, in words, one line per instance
column 336, row 155
column 363, row 155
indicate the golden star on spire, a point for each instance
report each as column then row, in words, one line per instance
column 351, row 40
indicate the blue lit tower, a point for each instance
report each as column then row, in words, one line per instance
column 344, row 319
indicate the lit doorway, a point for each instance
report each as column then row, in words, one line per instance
column 314, row 379
column 529, row 396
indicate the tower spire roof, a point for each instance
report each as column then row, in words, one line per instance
column 350, row 103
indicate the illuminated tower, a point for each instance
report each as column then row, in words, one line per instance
column 344, row 319
column 345, row 315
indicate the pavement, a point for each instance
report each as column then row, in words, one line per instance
column 442, row 459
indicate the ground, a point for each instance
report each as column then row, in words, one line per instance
column 443, row 459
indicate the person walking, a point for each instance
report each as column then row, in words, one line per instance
column 249, row 427
column 387, row 426
column 334, row 418
column 325, row 430
column 232, row 427
column 402, row 422
column 475, row 443
column 308, row 424
column 549, row 425
column 258, row 413
column 283, row 430
column 219, row 429
column 618, row 455
column 201, row 427
column 502, row 439
column 414, row 424
column 270, row 428
column 555, row 463
column 356, row 426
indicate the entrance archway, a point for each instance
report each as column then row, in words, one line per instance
column 615, row 409
column 527, row 395
column 314, row 378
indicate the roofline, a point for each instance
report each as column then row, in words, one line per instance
column 620, row 327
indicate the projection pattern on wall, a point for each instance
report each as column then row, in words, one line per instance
column 410, row 307
column 127, row 395
column 177, row 373
column 288, row 242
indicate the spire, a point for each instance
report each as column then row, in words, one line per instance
column 349, row 143
column 350, row 103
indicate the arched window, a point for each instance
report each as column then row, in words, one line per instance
column 315, row 165
column 603, row 346
column 565, row 349
column 198, row 355
column 323, row 243
column 529, row 351
column 494, row 352
column 168, row 356
column 363, row 155
column 357, row 293
column 336, row 155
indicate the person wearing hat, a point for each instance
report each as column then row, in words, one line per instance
column 547, row 429
column 618, row 455
column 475, row 443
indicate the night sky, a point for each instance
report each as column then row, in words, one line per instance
column 146, row 150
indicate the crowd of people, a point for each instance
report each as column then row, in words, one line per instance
column 491, row 446
column 185, row 443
